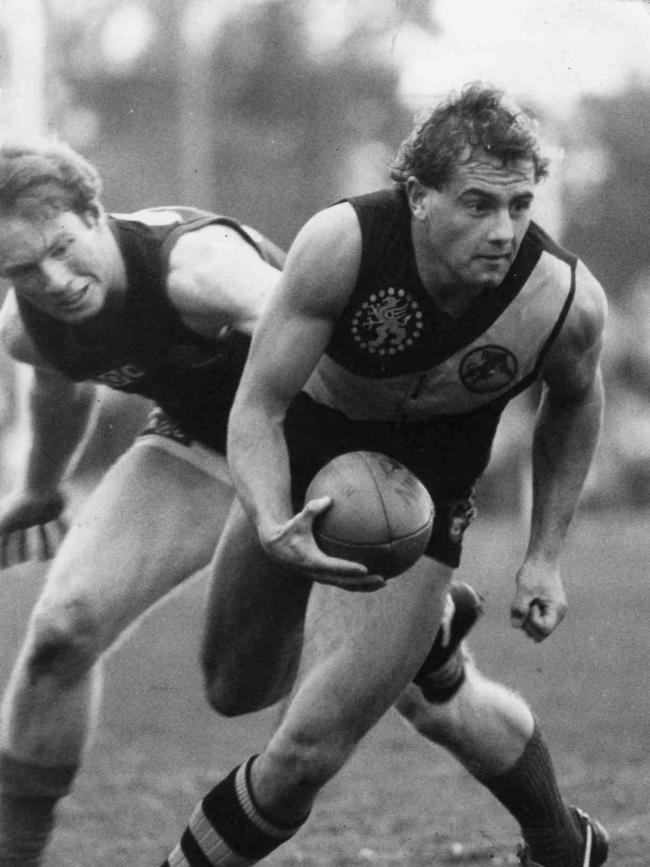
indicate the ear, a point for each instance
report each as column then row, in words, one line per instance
column 416, row 194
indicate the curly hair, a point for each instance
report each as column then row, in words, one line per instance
column 40, row 176
column 479, row 117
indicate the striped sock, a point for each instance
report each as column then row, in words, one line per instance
column 227, row 828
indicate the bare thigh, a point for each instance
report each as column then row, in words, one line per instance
column 360, row 651
column 152, row 521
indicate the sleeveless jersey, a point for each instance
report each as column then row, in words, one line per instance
column 145, row 348
column 395, row 357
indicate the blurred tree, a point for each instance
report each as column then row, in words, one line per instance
column 22, row 73
column 294, row 104
column 114, row 93
column 606, row 205
column 265, row 110
column 608, row 175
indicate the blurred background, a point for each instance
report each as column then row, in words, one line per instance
column 268, row 110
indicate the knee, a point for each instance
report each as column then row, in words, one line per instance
column 233, row 697
column 305, row 764
column 226, row 693
column 64, row 643
column 218, row 692
column 225, row 701
column 446, row 721
column 232, row 688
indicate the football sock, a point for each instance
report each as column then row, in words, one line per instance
column 530, row 793
column 228, row 829
column 441, row 684
column 443, row 671
column 28, row 797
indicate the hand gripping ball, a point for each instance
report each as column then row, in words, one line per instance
column 381, row 514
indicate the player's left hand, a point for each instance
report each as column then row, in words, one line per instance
column 540, row 602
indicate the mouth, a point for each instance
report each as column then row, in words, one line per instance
column 498, row 261
column 74, row 299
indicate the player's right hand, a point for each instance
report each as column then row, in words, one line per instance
column 31, row 526
column 540, row 602
column 293, row 544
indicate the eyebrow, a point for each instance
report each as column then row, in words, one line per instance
column 27, row 263
column 488, row 194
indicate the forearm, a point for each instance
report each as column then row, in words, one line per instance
column 566, row 436
column 259, row 464
column 59, row 417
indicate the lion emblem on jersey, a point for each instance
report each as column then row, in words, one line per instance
column 487, row 369
column 387, row 323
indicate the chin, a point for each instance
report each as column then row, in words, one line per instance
column 76, row 316
column 488, row 281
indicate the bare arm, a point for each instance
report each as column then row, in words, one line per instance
column 58, row 417
column 217, row 278
column 565, row 439
column 319, row 276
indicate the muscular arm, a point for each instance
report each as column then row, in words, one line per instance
column 59, row 413
column 566, row 434
column 58, row 417
column 217, row 278
column 319, row 276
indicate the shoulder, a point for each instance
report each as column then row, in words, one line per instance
column 333, row 225
column 14, row 336
column 325, row 257
column 576, row 351
column 217, row 277
column 587, row 315
column 214, row 241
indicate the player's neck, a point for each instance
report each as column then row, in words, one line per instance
column 448, row 291
column 450, row 295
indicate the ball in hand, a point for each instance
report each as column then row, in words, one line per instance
column 381, row 514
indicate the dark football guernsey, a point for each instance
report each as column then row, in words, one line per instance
column 144, row 347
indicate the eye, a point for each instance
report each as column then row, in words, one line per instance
column 479, row 207
column 60, row 249
column 522, row 206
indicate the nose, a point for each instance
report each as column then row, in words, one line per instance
column 55, row 275
column 501, row 229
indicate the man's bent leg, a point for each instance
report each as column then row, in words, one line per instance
column 443, row 671
column 127, row 547
column 360, row 652
column 493, row 733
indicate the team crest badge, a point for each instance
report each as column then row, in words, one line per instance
column 488, row 369
column 387, row 323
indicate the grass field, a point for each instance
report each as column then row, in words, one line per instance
column 400, row 801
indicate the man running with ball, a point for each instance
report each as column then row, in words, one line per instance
column 403, row 323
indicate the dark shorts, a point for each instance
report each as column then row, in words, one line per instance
column 447, row 456
column 163, row 432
